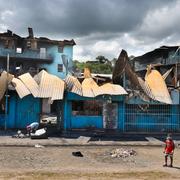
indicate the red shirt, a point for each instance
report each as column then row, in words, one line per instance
column 169, row 146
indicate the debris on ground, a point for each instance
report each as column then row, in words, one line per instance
column 77, row 153
column 39, row 146
column 19, row 134
column 122, row 153
column 39, row 134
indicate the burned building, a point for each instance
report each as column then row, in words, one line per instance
column 163, row 59
column 20, row 59
column 152, row 82
column 31, row 54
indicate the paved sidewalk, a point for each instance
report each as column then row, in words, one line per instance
column 87, row 140
column 79, row 141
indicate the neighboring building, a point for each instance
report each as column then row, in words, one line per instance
column 31, row 54
column 148, row 107
column 163, row 59
column 158, row 117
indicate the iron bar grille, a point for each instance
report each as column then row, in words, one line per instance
column 152, row 118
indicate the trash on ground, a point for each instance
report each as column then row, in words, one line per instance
column 39, row 146
column 77, row 153
column 39, row 134
column 122, row 153
column 19, row 134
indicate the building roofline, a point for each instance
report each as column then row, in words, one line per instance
column 9, row 34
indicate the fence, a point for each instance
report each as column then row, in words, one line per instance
column 152, row 118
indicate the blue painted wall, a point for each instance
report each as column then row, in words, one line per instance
column 51, row 51
column 53, row 67
column 72, row 121
column 86, row 121
column 27, row 111
column 21, row 112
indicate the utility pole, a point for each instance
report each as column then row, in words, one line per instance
column 6, row 109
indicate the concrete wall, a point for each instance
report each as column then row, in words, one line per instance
column 57, row 59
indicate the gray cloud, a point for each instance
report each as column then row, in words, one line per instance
column 96, row 23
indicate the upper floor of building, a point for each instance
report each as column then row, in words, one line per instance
column 32, row 53
column 165, row 55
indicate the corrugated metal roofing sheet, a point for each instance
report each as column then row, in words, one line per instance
column 58, row 88
column 50, row 86
column 21, row 89
column 158, row 86
column 91, row 89
column 146, row 88
column 30, row 83
column 5, row 78
column 3, row 84
column 111, row 89
column 73, row 85
column 88, row 85
column 45, row 86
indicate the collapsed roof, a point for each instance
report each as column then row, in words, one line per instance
column 152, row 86
column 9, row 35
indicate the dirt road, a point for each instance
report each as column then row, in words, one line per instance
column 97, row 163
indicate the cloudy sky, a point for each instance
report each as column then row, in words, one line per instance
column 99, row 27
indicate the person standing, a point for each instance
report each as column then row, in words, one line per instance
column 169, row 150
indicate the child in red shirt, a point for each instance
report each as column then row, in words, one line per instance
column 169, row 150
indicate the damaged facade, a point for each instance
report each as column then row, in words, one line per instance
column 141, row 95
column 91, row 104
column 152, row 82
column 36, row 89
column 24, row 57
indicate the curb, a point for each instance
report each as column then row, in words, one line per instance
column 81, row 145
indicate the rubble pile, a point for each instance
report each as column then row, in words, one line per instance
column 19, row 134
column 122, row 153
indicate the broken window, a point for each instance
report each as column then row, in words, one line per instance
column 42, row 53
column 18, row 68
column 87, row 108
column 29, row 44
column 49, row 112
column 8, row 44
column 60, row 68
column 19, row 50
column 32, row 44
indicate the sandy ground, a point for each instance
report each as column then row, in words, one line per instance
column 58, row 163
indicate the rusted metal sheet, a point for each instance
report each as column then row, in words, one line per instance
column 21, row 89
column 122, row 66
column 30, row 83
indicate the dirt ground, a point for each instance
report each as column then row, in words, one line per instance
column 58, row 163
